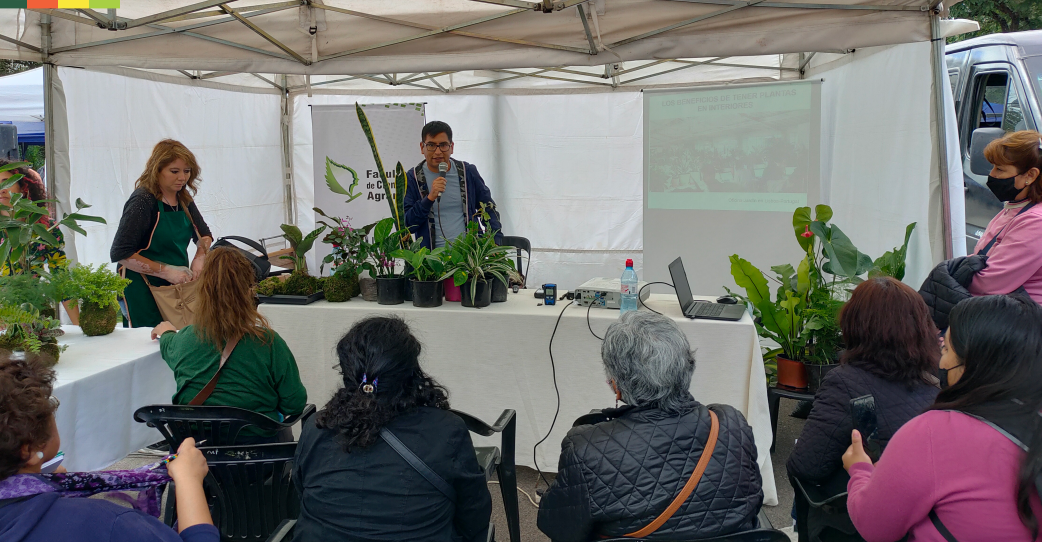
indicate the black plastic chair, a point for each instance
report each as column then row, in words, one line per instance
column 218, row 425
column 821, row 510
column 249, row 489
column 501, row 461
column 520, row 243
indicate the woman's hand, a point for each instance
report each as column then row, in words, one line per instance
column 856, row 452
column 197, row 265
column 189, row 467
column 162, row 328
column 175, row 274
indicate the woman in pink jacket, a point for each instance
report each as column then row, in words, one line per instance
column 1015, row 234
column 962, row 470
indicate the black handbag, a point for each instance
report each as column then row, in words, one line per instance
column 261, row 265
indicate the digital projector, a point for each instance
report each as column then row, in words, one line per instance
column 606, row 293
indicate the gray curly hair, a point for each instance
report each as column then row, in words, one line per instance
column 650, row 361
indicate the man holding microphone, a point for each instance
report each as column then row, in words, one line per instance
column 443, row 194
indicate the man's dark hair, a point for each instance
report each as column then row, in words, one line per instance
column 434, row 128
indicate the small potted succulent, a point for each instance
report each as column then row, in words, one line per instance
column 24, row 330
column 428, row 273
column 381, row 264
column 95, row 290
column 347, row 257
column 299, row 288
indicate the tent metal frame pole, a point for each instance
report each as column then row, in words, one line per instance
column 586, row 28
column 941, row 123
column 464, row 33
column 536, row 75
column 501, row 80
column 691, row 65
column 688, row 22
column 48, row 104
column 286, row 125
column 160, row 17
column 21, row 44
column 795, row 5
column 513, row 4
column 242, row 9
column 259, row 31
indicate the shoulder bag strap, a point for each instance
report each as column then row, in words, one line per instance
column 941, row 528
column 692, row 482
column 987, row 247
column 204, row 393
column 416, row 463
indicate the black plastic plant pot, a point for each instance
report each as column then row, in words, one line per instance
column 408, row 274
column 427, row 293
column 482, row 296
column 499, row 290
column 390, row 290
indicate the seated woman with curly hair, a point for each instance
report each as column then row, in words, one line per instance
column 37, row 507
column 354, row 486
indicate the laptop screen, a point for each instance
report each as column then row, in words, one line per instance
column 676, row 271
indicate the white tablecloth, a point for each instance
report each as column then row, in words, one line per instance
column 101, row 382
column 497, row 357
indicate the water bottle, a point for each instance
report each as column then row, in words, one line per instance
column 629, row 289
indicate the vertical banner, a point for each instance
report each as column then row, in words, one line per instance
column 347, row 183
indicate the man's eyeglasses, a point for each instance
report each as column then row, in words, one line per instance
column 444, row 146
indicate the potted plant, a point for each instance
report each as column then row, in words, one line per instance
column 95, row 290
column 41, row 292
column 802, row 318
column 429, row 270
column 347, row 257
column 476, row 262
column 299, row 288
column 381, row 265
column 25, row 330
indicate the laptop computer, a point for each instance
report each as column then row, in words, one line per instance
column 693, row 309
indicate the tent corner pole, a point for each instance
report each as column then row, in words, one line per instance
column 48, row 103
column 285, row 117
column 940, row 122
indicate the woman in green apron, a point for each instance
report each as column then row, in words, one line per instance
column 159, row 219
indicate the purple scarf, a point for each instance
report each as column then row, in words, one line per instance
column 146, row 482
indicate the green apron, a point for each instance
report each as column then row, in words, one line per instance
column 168, row 245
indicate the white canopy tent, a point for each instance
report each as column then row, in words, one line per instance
column 22, row 96
column 288, row 54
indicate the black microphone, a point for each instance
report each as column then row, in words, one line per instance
column 442, row 168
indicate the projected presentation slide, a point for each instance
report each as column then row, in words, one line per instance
column 752, row 148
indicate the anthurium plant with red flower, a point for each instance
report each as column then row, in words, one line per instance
column 803, row 315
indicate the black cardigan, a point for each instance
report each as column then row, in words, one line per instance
column 818, row 453
column 373, row 494
column 138, row 221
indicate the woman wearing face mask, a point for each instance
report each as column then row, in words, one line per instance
column 1013, row 239
column 970, row 464
column 158, row 221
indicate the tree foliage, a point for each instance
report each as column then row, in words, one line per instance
column 998, row 16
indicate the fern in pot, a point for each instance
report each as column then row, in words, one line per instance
column 95, row 290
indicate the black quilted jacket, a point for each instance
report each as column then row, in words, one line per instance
column 818, row 453
column 617, row 476
column 947, row 284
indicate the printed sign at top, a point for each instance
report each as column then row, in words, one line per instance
column 59, row 4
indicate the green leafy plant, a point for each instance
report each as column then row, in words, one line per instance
column 802, row 315
column 348, row 243
column 427, row 265
column 475, row 257
column 395, row 199
column 39, row 292
column 300, row 245
column 99, row 286
column 380, row 250
column 22, row 229
column 24, row 329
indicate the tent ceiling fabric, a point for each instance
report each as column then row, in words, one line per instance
column 355, row 37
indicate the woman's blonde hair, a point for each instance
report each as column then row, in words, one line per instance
column 163, row 153
column 1022, row 150
column 227, row 307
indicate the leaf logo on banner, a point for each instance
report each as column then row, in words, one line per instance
column 334, row 185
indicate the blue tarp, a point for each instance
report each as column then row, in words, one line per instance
column 29, row 133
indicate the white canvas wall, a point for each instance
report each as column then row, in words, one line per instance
column 114, row 121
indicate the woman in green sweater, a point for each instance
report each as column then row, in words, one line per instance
column 260, row 374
